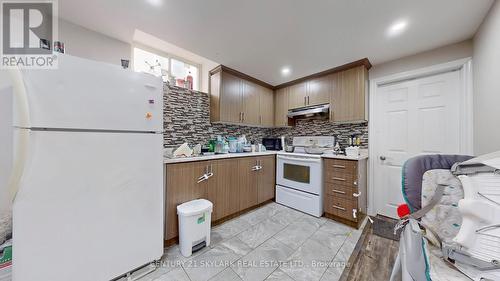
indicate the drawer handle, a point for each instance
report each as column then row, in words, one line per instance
column 338, row 191
column 338, row 179
column 339, row 166
column 337, row 207
column 356, row 194
column 356, row 183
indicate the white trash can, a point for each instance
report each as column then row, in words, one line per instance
column 194, row 225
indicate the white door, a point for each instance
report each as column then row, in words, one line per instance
column 414, row 117
column 89, row 205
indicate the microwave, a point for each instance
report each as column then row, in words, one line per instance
column 272, row 144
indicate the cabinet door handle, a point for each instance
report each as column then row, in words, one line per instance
column 354, row 213
column 338, row 207
column 305, row 100
column 339, row 166
column 338, row 179
column 202, row 178
column 356, row 194
column 308, row 100
column 355, row 182
column 338, row 191
column 243, row 116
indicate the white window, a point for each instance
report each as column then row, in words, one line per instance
column 184, row 74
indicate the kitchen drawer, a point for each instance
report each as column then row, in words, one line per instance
column 340, row 178
column 340, row 190
column 340, row 207
column 341, row 166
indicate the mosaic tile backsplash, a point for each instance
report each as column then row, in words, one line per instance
column 187, row 119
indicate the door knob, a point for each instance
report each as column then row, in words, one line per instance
column 382, row 158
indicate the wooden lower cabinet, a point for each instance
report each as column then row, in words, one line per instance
column 182, row 186
column 236, row 185
column 248, row 182
column 223, row 189
column 345, row 190
column 266, row 182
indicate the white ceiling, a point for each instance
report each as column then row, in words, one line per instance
column 259, row 37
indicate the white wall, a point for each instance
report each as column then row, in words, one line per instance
column 487, row 84
column 85, row 43
column 437, row 56
column 82, row 42
column 6, row 153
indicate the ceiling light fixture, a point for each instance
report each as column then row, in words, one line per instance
column 285, row 71
column 397, row 28
column 156, row 3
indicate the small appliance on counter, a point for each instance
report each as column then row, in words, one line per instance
column 272, row 144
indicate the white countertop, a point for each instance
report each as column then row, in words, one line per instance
column 216, row 156
column 363, row 155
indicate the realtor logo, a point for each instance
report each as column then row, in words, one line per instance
column 28, row 29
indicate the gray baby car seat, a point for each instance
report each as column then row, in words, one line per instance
column 462, row 251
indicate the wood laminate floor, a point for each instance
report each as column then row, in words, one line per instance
column 375, row 260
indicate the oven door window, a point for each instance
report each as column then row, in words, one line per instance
column 297, row 173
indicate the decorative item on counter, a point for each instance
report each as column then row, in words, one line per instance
column 211, row 145
column 59, row 47
column 168, row 152
column 225, row 148
column 260, row 148
column 336, row 148
column 183, row 151
column 233, row 144
column 197, row 150
column 247, row 148
column 242, row 141
column 125, row 63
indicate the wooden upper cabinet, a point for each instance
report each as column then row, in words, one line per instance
column 349, row 98
column 230, row 100
column 281, row 107
column 266, row 107
column 250, row 103
column 319, row 90
column 238, row 99
column 297, row 95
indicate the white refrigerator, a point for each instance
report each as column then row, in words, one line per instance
column 87, row 176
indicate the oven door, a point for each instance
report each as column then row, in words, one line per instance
column 299, row 172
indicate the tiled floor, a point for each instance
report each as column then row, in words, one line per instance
column 270, row 243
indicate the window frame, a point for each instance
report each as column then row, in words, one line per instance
column 169, row 57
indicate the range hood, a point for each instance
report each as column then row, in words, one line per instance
column 322, row 110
